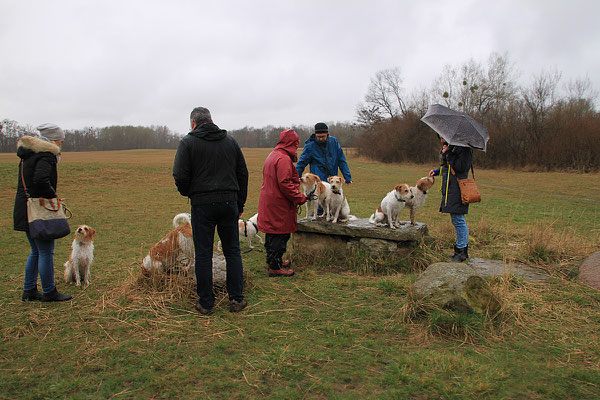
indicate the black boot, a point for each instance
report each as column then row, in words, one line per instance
column 460, row 255
column 55, row 296
column 31, row 295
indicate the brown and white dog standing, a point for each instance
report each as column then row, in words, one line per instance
column 77, row 268
column 316, row 192
column 419, row 192
column 337, row 207
column 390, row 206
column 168, row 253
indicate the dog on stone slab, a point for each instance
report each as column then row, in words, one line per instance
column 316, row 192
column 336, row 204
column 419, row 192
column 390, row 206
column 77, row 268
column 174, row 251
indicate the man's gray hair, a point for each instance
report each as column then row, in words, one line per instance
column 200, row 115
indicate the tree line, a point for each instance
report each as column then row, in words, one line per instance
column 539, row 125
column 95, row 139
column 542, row 124
column 160, row 137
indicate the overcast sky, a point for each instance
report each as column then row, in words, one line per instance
column 253, row 63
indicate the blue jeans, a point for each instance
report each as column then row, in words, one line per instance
column 224, row 216
column 462, row 230
column 40, row 261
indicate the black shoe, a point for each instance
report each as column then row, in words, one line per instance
column 237, row 306
column 202, row 310
column 460, row 255
column 55, row 296
column 31, row 295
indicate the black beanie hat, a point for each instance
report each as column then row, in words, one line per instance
column 321, row 127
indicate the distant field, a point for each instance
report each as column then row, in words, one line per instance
column 319, row 334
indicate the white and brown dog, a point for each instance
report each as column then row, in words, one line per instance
column 337, row 207
column 390, row 206
column 174, row 251
column 419, row 192
column 247, row 230
column 316, row 192
column 77, row 268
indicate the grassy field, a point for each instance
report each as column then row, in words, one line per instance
column 318, row 335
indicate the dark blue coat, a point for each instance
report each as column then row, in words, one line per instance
column 324, row 159
column 38, row 158
column 461, row 159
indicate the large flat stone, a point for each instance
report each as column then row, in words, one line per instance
column 362, row 228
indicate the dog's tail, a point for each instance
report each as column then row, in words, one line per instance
column 182, row 219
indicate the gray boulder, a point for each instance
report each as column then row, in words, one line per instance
column 589, row 271
column 456, row 286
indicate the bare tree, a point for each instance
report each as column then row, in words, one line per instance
column 384, row 98
column 478, row 89
column 540, row 95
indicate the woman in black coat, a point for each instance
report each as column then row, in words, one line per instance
column 39, row 157
column 460, row 159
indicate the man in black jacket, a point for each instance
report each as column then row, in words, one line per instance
column 210, row 169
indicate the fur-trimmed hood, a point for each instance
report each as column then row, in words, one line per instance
column 29, row 145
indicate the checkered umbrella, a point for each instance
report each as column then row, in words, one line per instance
column 457, row 128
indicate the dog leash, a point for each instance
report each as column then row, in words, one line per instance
column 312, row 195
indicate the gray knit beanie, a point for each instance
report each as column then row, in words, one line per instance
column 51, row 132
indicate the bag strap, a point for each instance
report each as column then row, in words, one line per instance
column 453, row 173
column 23, row 181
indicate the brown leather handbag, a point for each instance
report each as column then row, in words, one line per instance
column 469, row 193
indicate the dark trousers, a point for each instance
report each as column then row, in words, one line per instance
column 275, row 245
column 223, row 216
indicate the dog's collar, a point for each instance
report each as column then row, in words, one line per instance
column 424, row 191
column 400, row 200
column 333, row 191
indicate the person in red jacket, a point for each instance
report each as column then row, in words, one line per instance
column 279, row 197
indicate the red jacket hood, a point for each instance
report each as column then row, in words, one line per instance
column 289, row 142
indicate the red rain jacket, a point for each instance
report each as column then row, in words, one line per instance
column 280, row 191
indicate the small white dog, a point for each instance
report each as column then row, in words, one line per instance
column 337, row 207
column 390, row 206
column 419, row 192
column 77, row 268
column 247, row 230
column 171, row 251
column 316, row 192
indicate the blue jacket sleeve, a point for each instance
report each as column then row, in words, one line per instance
column 343, row 164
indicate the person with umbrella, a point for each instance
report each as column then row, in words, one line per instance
column 459, row 134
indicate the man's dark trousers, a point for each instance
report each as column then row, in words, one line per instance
column 224, row 216
column 275, row 245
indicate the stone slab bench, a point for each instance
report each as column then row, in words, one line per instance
column 359, row 233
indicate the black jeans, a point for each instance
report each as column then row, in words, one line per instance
column 223, row 216
column 275, row 245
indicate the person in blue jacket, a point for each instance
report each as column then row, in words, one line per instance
column 324, row 155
